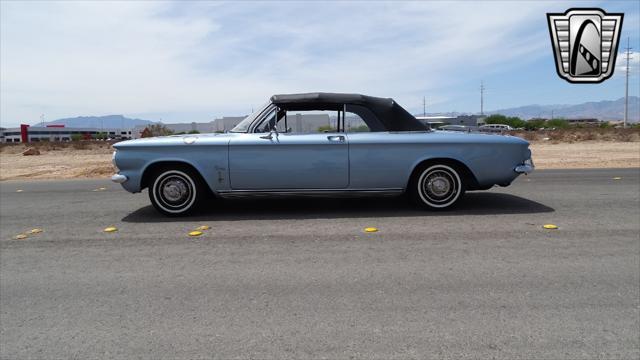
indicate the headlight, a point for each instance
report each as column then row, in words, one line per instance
column 113, row 161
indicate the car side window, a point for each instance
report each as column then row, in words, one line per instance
column 341, row 118
column 309, row 122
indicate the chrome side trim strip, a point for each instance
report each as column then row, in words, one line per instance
column 311, row 192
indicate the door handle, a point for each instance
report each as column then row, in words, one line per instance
column 339, row 138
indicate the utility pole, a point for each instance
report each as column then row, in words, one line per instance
column 42, row 120
column 424, row 106
column 626, row 87
column 481, row 98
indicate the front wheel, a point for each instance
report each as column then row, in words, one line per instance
column 437, row 186
column 175, row 192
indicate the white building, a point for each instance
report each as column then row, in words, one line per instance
column 27, row 133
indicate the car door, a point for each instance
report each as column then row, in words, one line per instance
column 285, row 160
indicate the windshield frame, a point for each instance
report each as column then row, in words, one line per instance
column 244, row 126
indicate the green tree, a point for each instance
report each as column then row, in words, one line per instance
column 513, row 121
column 76, row 137
column 194, row 132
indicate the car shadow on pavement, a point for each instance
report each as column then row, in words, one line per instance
column 478, row 203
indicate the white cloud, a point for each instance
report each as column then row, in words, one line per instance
column 82, row 58
column 634, row 63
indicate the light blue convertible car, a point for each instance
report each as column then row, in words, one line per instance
column 320, row 144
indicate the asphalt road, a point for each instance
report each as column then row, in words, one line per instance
column 300, row 278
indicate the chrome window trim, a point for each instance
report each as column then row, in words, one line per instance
column 260, row 118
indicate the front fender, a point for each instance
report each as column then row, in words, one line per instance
column 211, row 162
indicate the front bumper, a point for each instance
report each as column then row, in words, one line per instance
column 526, row 168
column 118, row 178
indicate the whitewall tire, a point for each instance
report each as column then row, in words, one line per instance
column 175, row 192
column 437, row 186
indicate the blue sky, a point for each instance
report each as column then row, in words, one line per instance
column 194, row 61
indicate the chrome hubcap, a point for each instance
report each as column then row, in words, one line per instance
column 175, row 190
column 439, row 185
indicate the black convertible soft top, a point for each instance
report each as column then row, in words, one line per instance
column 393, row 116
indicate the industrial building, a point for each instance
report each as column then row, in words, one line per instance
column 26, row 133
column 218, row 125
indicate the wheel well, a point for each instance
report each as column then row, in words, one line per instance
column 157, row 166
column 468, row 177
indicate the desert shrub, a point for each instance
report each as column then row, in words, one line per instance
column 534, row 124
column 587, row 135
column 530, row 136
column 156, row 130
column 557, row 123
column 326, row 128
column 80, row 145
column 557, row 135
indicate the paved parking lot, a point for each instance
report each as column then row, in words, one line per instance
column 300, row 279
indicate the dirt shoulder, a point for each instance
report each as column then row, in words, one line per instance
column 62, row 161
column 94, row 160
column 586, row 155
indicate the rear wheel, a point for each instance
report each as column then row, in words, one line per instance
column 437, row 186
column 176, row 192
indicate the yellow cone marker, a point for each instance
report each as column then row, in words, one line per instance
column 550, row 226
column 195, row 233
column 19, row 190
column 370, row 229
column 35, row 231
column 20, row 237
column 111, row 229
column 203, row 227
column 617, row 178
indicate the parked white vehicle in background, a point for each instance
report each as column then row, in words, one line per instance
column 495, row 128
column 455, row 128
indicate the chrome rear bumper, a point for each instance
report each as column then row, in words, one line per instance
column 526, row 168
column 117, row 178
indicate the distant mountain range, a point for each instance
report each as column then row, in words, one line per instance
column 108, row 121
column 603, row 110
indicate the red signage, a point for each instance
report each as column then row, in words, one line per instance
column 24, row 133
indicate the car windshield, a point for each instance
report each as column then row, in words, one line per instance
column 243, row 126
